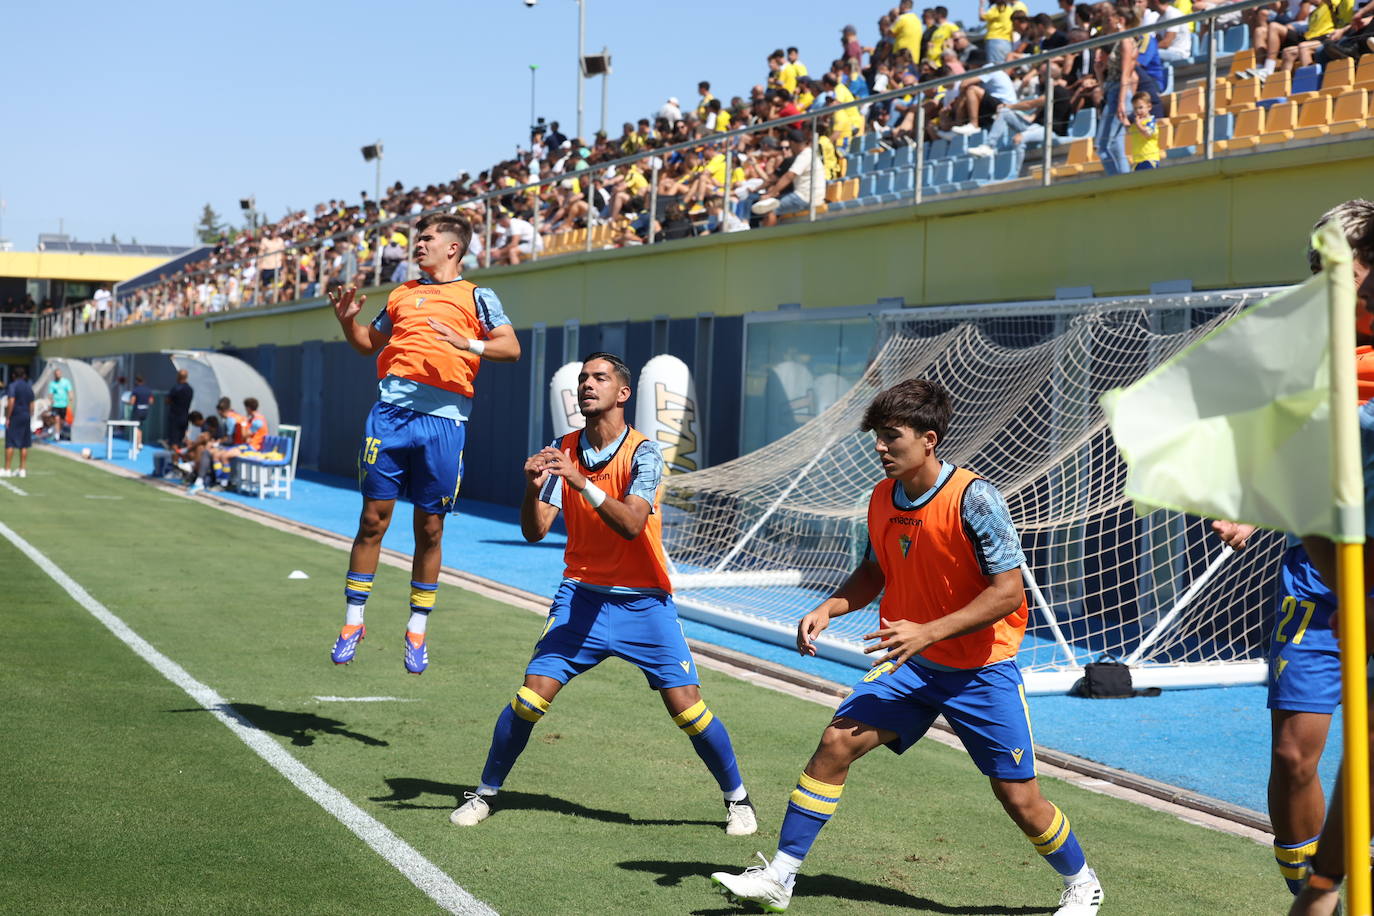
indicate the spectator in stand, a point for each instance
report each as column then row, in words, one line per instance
column 60, row 395
column 851, row 49
column 904, row 29
column 671, row 111
column 1328, row 21
column 1143, row 134
column 102, row 307
column 179, row 399
column 849, row 122
column 1051, row 38
column 556, row 137
column 979, row 100
column 270, row 263
column 1023, row 122
column 1117, row 72
column 630, row 142
column 1175, row 42
column 517, row 239
column 140, row 403
column 794, row 61
column 704, row 93
column 999, row 34
column 939, row 36
column 794, row 190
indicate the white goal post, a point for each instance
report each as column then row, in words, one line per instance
column 758, row 541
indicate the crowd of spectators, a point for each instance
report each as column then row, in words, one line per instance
column 689, row 192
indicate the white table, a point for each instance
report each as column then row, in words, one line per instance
column 110, row 425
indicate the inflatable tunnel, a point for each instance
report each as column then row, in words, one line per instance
column 90, row 397
column 215, row 375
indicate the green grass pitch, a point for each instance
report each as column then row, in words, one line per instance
column 121, row 797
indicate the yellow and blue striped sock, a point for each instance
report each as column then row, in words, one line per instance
column 422, row 595
column 357, row 586
column 512, row 732
column 1059, row 846
column 808, row 809
column 1293, row 861
column 712, row 744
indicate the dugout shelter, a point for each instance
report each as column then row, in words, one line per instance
column 214, row 375
column 90, row 396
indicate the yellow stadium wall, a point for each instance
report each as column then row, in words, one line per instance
column 82, row 268
column 1235, row 221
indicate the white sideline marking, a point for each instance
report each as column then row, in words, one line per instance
column 12, row 488
column 364, row 700
column 424, row 874
column 101, row 496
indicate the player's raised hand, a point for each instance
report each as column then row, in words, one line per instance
column 811, row 626
column 1233, row 534
column 347, row 303
column 536, row 469
column 900, row 639
column 562, row 465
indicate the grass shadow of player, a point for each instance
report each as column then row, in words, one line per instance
column 672, row 874
column 300, row 727
column 405, row 790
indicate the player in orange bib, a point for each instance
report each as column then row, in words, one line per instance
column 615, row 598
column 947, row 559
column 430, row 341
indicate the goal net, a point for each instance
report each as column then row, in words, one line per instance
column 759, row 541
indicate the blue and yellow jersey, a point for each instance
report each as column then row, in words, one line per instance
column 1144, row 137
column 416, row 369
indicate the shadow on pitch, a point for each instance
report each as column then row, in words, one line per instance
column 672, row 874
column 405, row 791
column 300, row 727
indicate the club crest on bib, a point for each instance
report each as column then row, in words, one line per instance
column 904, row 541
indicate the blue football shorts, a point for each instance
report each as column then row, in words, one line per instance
column 986, row 707
column 19, row 432
column 586, row 626
column 414, row 455
column 1304, row 659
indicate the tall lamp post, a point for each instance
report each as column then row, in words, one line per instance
column 581, row 43
column 370, row 153
column 533, row 67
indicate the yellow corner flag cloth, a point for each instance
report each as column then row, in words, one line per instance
column 1239, row 425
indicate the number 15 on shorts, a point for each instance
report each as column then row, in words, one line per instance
column 370, row 446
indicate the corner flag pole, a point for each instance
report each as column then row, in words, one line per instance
column 1349, row 492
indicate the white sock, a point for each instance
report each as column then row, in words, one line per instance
column 418, row 620
column 353, row 614
column 784, row 868
column 1269, row 66
column 486, row 791
column 737, row 794
column 1084, row 874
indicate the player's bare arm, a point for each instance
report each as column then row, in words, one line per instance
column 536, row 516
column 901, row 639
column 1233, row 534
column 858, row 591
column 625, row 517
column 501, row 345
column 364, row 338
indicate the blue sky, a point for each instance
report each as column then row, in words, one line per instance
column 127, row 119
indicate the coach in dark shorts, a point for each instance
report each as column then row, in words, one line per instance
column 141, row 398
column 179, row 409
column 18, row 421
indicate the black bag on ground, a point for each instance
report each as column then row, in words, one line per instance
column 1108, row 679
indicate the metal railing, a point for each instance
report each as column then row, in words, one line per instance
column 248, row 291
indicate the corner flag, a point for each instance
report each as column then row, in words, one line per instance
column 1256, row 422
column 1239, row 425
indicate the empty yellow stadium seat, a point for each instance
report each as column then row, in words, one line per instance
column 1244, row 94
column 1280, row 123
column 1279, row 85
column 1364, row 72
column 1249, row 129
column 1221, row 97
column 1339, row 77
column 1350, row 111
column 1240, row 62
column 1186, row 133
column 1314, row 118
column 1187, row 104
column 1080, row 160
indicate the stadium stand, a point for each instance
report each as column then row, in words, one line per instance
column 885, row 127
